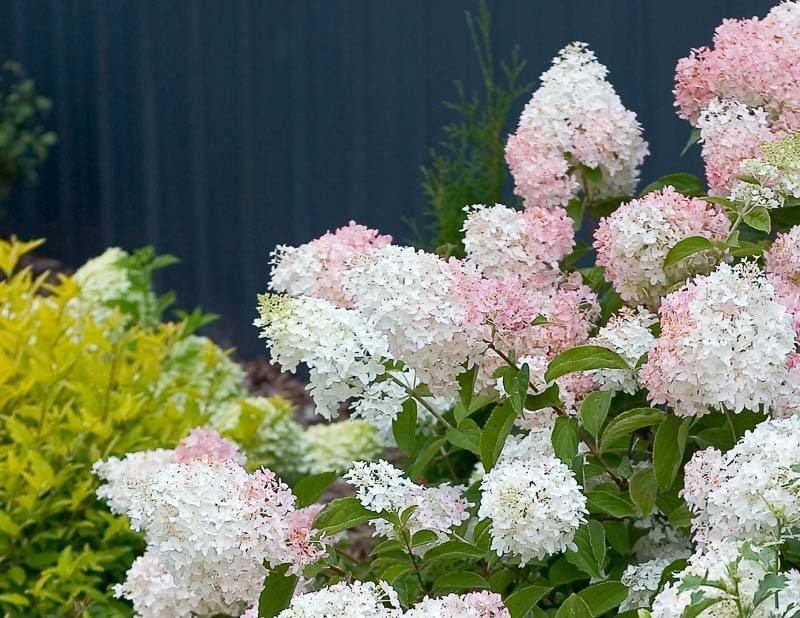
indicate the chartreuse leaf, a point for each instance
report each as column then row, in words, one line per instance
column 668, row 449
column 686, row 247
column 404, row 427
column 565, row 438
column 341, row 514
column 574, row 607
column 495, row 433
column 583, row 358
column 594, row 411
column 520, row 602
column 277, row 592
column 309, row 489
column 644, row 490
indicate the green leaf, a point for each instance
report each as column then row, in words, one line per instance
column 565, row 438
column 628, row 422
column 341, row 514
column 574, row 607
column 605, row 502
column 759, row 219
column 464, row 580
column 277, row 593
column 686, row 247
column 770, row 584
column 495, row 433
column 404, row 427
column 681, row 517
column 644, row 490
column 594, row 411
column 309, row 489
column 520, row 602
column 668, row 449
column 8, row 525
column 590, row 552
column 694, row 137
column 466, row 385
column 548, row 398
column 14, row 599
column 583, row 358
column 466, row 436
column 575, row 212
column 429, row 449
column 603, row 597
column 687, row 184
column 515, row 384
column 695, row 609
column 454, row 549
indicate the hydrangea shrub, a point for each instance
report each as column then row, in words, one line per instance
column 565, row 441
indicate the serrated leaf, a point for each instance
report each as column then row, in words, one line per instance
column 603, row 597
column 574, row 607
column 466, row 385
column 769, row 585
column 687, row 184
column 454, row 549
column 467, row 436
column 668, row 449
column 495, row 433
column 644, row 490
column 759, row 219
column 309, row 489
column 594, row 411
column 464, row 580
column 341, row 514
column 628, row 422
column 520, row 602
column 277, row 592
column 583, row 358
column 686, row 247
column 565, row 438
column 404, row 427
column 605, row 502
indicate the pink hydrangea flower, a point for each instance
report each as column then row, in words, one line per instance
column 207, row 444
column 317, row 267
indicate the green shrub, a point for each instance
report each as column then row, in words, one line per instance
column 73, row 392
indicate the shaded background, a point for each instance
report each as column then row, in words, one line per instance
column 215, row 130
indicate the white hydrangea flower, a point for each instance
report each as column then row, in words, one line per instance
column 155, row 594
column 382, row 401
column 343, row 600
column 341, row 349
column 379, row 486
column 335, row 446
column 535, row 505
column 575, row 113
column 725, row 342
column 749, row 493
column 412, row 298
column 481, row 604
column 753, row 196
column 642, row 582
column 628, row 334
column 739, row 575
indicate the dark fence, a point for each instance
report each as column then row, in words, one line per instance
column 215, row 130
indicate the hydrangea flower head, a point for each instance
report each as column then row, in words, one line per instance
column 535, row 505
column 725, row 342
column 317, row 267
column 481, row 604
column 632, row 243
column 353, row 600
column 574, row 116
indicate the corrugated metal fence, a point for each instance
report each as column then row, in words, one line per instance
column 215, row 130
